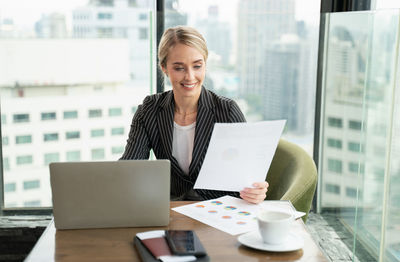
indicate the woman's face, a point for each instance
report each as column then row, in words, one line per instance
column 186, row 70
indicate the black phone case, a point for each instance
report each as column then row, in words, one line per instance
column 199, row 249
column 146, row 256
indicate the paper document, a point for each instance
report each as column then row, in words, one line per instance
column 239, row 154
column 232, row 215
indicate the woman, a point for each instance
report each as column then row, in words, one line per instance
column 177, row 125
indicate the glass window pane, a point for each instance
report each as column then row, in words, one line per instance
column 10, row 187
column 95, row 113
column 336, row 143
column 67, row 65
column 72, row 135
column 73, row 156
column 20, row 118
column 335, row 165
column 70, row 114
column 25, row 139
column 115, row 111
column 97, row 132
column 117, row 131
column 23, row 160
column 98, row 154
column 31, row 184
column 49, row 116
column 51, row 157
column 50, row 137
column 117, row 150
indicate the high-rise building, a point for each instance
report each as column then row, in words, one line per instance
column 51, row 26
column 118, row 19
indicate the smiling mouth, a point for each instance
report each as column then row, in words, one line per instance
column 189, row 86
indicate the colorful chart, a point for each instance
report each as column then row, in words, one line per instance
column 226, row 217
column 230, row 208
column 217, row 203
column 244, row 213
column 212, row 211
column 200, row 206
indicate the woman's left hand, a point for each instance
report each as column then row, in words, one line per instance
column 256, row 194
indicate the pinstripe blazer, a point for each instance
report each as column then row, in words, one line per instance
column 152, row 128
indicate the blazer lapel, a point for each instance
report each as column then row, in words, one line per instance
column 165, row 122
column 204, row 127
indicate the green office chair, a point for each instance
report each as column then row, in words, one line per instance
column 292, row 176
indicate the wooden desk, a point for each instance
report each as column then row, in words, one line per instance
column 117, row 244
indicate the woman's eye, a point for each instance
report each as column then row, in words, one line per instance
column 197, row 66
column 179, row 68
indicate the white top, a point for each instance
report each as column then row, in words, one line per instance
column 182, row 145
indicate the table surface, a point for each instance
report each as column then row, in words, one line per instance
column 116, row 244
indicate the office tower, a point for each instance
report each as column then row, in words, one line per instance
column 118, row 19
column 273, row 55
column 51, row 26
column 217, row 35
column 173, row 16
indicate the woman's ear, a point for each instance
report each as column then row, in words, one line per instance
column 164, row 70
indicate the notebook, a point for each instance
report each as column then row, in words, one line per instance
column 126, row 193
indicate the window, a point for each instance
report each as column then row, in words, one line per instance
column 104, row 16
column 335, row 165
column 143, row 16
column 351, row 192
column 10, row 187
column 72, row 135
column 95, row 113
column 115, row 111
column 116, row 131
column 50, row 137
column 355, row 147
column 356, row 125
column 32, row 203
column 353, row 167
column 335, row 122
column 24, row 160
column 143, row 33
column 98, row 154
column 73, row 156
column 21, row 118
column 331, row 188
column 117, row 150
column 6, row 164
column 51, row 157
column 48, row 116
column 25, row 139
column 67, row 105
column 335, row 143
column 97, row 132
column 70, row 114
column 31, row 184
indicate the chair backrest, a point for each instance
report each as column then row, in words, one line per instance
column 292, row 176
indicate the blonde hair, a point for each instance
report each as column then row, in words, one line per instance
column 180, row 35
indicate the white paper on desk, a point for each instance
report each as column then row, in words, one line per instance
column 231, row 215
column 239, row 154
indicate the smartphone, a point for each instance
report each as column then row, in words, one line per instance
column 184, row 242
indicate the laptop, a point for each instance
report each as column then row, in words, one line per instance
column 126, row 193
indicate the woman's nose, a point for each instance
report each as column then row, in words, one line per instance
column 189, row 74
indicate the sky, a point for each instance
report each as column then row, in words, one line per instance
column 27, row 12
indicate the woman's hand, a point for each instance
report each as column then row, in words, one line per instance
column 256, row 194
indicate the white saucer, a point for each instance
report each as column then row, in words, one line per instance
column 253, row 239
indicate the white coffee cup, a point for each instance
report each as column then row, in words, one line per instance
column 274, row 226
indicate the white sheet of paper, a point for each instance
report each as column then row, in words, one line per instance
column 239, row 154
column 232, row 215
